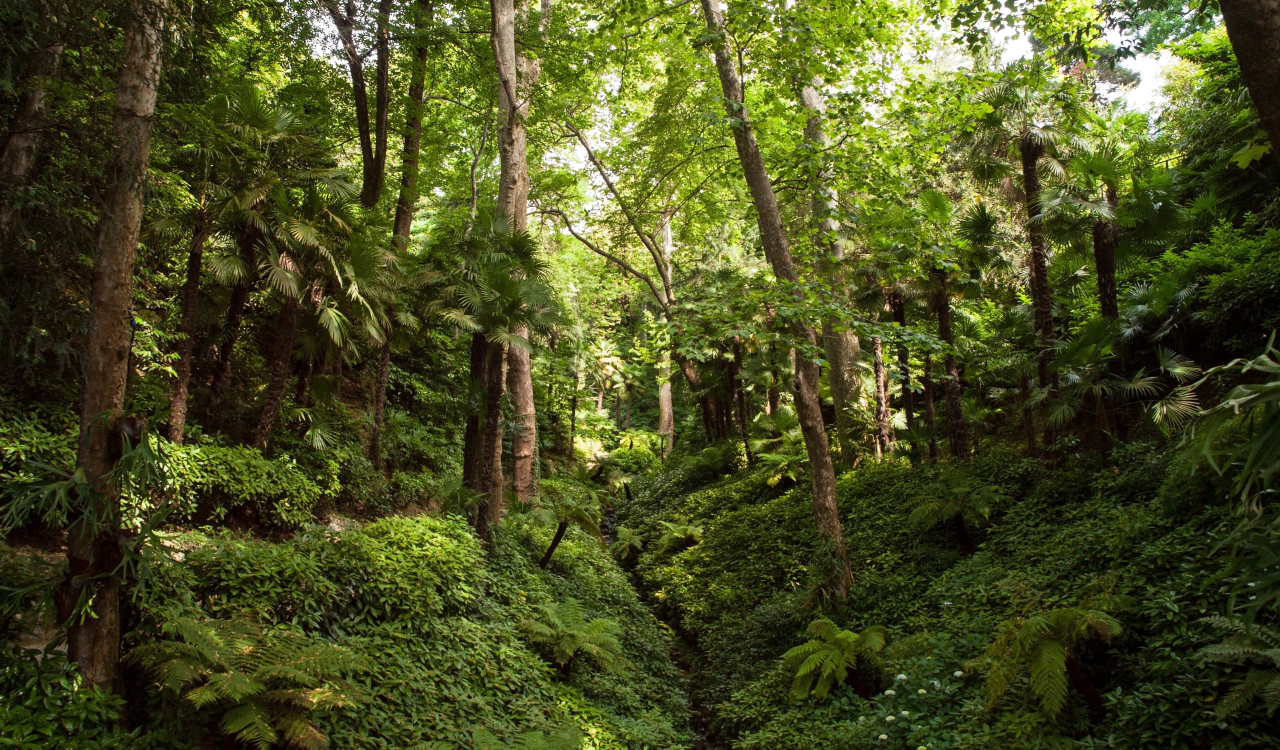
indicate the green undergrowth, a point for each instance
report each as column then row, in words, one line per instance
column 436, row 624
column 1138, row 523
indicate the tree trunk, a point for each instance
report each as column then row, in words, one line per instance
column 1105, row 237
column 666, row 408
column 18, row 158
column 884, row 430
column 524, row 435
column 600, row 399
column 1253, row 26
column 186, row 345
column 955, row 406
column 841, row 346
column 1091, row 696
column 491, row 479
column 1028, row 414
column 898, row 306
column 93, row 554
column 774, row 239
column 555, row 542
column 573, row 414
column 380, row 406
column 930, row 415
column 773, row 399
column 473, row 436
column 408, row 199
column 517, row 76
column 741, row 398
column 221, row 381
column 962, row 536
column 1041, row 296
column 374, row 164
column 279, row 368
column 301, row 393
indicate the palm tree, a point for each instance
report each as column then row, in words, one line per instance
column 563, row 628
column 496, row 290
column 1032, row 111
column 1046, row 644
column 832, row 656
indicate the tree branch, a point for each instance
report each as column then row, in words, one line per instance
column 610, row 257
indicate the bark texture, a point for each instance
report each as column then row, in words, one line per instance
column 842, row 348
column 186, row 345
column 380, row 406
column 930, row 415
column 1041, row 297
column 1254, row 29
column 774, row 239
column 473, row 436
column 956, row 436
column 1106, row 235
column 884, row 430
column 93, row 642
column 278, row 367
column 408, row 199
column 525, row 425
column 18, row 158
column 491, row 479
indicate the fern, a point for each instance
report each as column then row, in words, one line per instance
column 1248, row 642
column 830, row 656
column 564, row 629
column 265, row 682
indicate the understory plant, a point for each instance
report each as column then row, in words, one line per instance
column 832, row 656
column 563, row 628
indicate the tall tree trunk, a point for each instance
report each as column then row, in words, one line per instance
column 491, row 479
column 525, row 428
column 774, row 239
column 517, row 76
column 930, row 416
column 955, row 408
column 1041, row 296
column 374, row 162
column 841, row 345
column 186, row 345
column 740, row 392
column 18, row 158
column 1028, row 414
column 221, row 381
column 884, row 430
column 380, row 405
column 898, row 306
column 278, row 367
column 1105, row 237
column 408, row 199
column 773, row 399
column 1253, row 26
column 666, row 408
column 473, row 435
column 93, row 641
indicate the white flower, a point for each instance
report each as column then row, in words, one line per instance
column 891, row 718
column 946, row 604
column 922, row 691
column 862, row 718
column 884, row 736
column 937, row 685
column 890, row 692
column 901, row 677
column 905, row 714
column 958, row 674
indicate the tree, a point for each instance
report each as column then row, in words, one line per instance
column 373, row 145
column 773, row 236
column 563, row 628
column 18, row 156
column 1030, row 113
column 563, row 504
column 1047, row 644
column 832, row 656
column 93, row 551
column 1254, row 29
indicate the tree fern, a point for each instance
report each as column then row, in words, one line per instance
column 265, row 682
column 831, row 656
column 1042, row 645
column 1248, row 642
column 563, row 628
